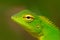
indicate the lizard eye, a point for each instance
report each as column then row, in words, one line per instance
column 28, row 18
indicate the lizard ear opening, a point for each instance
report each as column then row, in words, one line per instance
column 28, row 18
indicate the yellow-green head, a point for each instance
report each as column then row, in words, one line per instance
column 29, row 21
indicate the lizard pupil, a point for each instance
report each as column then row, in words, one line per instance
column 28, row 17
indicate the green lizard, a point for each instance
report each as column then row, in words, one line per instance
column 38, row 26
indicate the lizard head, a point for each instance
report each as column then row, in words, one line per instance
column 29, row 21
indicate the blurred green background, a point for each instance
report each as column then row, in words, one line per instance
column 10, row 30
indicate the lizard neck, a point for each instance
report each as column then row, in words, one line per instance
column 50, row 32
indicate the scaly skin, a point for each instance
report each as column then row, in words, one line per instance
column 38, row 26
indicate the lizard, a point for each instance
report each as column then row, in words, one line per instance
column 38, row 26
